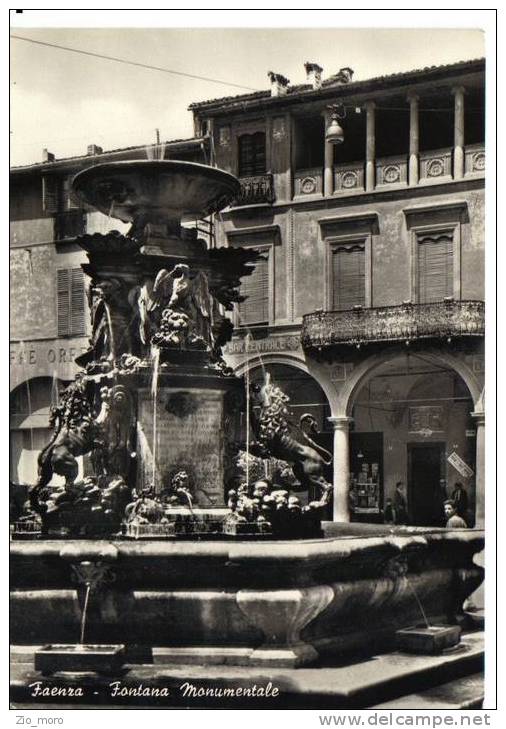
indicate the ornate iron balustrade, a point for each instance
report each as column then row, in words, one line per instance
column 407, row 322
column 254, row 190
column 69, row 224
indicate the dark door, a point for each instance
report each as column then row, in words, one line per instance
column 425, row 495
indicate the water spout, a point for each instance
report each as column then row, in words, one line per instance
column 85, row 612
column 154, row 395
column 413, row 591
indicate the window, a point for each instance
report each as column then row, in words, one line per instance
column 59, row 201
column 252, row 154
column 435, row 266
column 310, row 142
column 70, row 302
column 255, row 308
column 57, row 195
column 348, row 276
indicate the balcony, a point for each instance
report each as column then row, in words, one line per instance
column 308, row 182
column 392, row 171
column 349, row 177
column 69, row 224
column 436, row 165
column 443, row 320
column 255, row 190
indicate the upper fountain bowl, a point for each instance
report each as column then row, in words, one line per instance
column 156, row 190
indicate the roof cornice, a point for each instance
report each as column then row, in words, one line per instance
column 304, row 92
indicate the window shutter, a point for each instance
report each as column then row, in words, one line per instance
column 77, row 302
column 348, row 270
column 50, row 194
column 435, row 267
column 70, row 302
column 252, row 154
column 63, row 302
column 255, row 309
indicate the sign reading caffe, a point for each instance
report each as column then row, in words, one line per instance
column 45, row 359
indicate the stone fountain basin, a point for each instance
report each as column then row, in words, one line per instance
column 272, row 603
column 163, row 189
column 107, row 659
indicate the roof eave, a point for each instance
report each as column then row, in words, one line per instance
column 242, row 102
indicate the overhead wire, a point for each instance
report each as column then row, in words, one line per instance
column 133, row 63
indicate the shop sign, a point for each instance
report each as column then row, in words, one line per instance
column 461, row 466
column 45, row 355
column 270, row 344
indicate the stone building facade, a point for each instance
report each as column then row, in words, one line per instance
column 367, row 307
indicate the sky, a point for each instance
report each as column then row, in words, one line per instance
column 65, row 101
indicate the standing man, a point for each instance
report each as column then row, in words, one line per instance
column 454, row 521
column 401, row 510
column 459, row 498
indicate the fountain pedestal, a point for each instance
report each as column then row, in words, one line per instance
column 196, row 422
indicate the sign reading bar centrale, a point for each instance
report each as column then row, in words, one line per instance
column 270, row 344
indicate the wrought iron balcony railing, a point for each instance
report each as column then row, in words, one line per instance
column 446, row 319
column 69, row 224
column 254, row 190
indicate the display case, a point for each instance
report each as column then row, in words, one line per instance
column 366, row 477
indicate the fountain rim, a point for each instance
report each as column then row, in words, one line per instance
column 161, row 163
column 215, row 173
column 228, row 184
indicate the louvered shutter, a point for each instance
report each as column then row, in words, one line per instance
column 77, row 302
column 63, row 301
column 255, row 309
column 70, row 302
column 435, row 267
column 252, row 154
column 348, row 270
column 50, row 194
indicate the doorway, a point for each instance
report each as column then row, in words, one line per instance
column 426, row 493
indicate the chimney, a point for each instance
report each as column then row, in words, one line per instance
column 314, row 75
column 94, row 149
column 345, row 75
column 279, row 84
column 47, row 156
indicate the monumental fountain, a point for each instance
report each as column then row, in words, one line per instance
column 201, row 564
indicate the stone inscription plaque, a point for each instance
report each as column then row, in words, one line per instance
column 189, row 436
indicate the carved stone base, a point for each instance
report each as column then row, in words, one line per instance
column 281, row 615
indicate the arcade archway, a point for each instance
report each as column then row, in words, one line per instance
column 29, row 426
column 412, row 428
column 306, row 396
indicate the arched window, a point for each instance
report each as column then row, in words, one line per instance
column 252, row 154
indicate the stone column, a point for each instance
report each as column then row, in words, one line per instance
column 328, row 172
column 414, row 140
column 479, row 418
column 341, row 468
column 458, row 144
column 370, row 153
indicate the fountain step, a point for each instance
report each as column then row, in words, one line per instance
column 463, row 693
column 369, row 682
